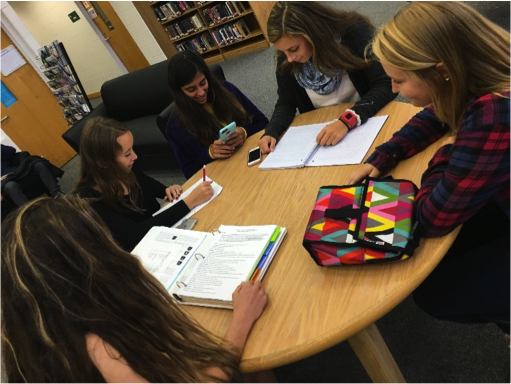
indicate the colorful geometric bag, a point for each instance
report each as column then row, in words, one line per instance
column 362, row 223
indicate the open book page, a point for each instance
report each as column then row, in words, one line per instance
column 216, row 191
column 352, row 148
column 165, row 252
column 231, row 259
column 295, row 148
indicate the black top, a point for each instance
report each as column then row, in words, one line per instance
column 129, row 227
column 371, row 83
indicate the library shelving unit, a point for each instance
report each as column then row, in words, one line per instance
column 64, row 82
column 218, row 30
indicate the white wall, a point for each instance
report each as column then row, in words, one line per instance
column 48, row 20
column 21, row 36
column 139, row 31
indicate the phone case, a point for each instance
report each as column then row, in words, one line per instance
column 227, row 131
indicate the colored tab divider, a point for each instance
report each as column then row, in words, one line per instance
column 261, row 263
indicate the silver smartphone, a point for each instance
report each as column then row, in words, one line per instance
column 254, row 156
column 187, row 223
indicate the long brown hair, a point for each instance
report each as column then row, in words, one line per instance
column 474, row 50
column 182, row 69
column 63, row 277
column 322, row 26
column 99, row 169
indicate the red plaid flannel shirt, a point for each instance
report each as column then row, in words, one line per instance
column 462, row 177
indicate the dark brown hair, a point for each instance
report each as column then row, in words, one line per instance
column 99, row 168
column 321, row 26
column 63, row 277
column 182, row 69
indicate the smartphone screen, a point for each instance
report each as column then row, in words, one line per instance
column 254, row 155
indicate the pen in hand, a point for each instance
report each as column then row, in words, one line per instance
column 204, row 173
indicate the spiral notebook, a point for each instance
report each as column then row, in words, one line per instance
column 298, row 147
column 201, row 268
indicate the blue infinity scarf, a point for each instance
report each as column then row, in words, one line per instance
column 310, row 78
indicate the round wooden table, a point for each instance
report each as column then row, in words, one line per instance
column 313, row 308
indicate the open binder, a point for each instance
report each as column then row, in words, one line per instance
column 201, row 268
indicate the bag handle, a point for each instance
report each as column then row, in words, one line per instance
column 342, row 213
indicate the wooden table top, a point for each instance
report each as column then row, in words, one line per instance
column 310, row 308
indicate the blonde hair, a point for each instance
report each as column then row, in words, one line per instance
column 63, row 276
column 474, row 50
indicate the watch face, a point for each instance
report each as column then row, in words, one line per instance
column 349, row 116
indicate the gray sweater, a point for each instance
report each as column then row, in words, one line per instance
column 371, row 83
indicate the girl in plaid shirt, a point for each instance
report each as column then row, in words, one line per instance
column 446, row 56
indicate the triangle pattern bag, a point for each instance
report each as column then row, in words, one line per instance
column 362, row 223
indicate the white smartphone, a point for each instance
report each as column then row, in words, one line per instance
column 254, row 156
column 227, row 131
column 187, row 223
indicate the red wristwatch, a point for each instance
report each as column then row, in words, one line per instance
column 349, row 119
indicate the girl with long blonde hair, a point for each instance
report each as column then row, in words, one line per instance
column 449, row 58
column 76, row 307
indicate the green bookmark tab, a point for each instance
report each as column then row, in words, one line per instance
column 275, row 234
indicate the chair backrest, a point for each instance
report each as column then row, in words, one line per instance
column 136, row 94
column 141, row 93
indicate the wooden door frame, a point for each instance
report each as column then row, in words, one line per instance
column 101, row 38
column 29, row 53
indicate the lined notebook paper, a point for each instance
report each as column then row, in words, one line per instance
column 298, row 147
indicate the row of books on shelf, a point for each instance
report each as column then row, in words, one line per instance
column 200, row 44
column 231, row 33
column 222, row 12
column 184, row 27
column 172, row 9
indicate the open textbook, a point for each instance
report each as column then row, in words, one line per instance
column 201, row 268
column 298, row 147
column 216, row 191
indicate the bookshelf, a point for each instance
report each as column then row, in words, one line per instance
column 218, row 30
